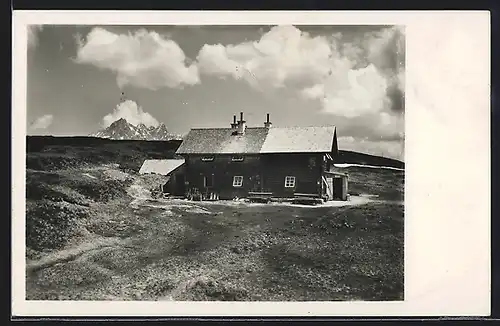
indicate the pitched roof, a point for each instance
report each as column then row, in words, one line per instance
column 163, row 167
column 299, row 139
column 258, row 140
column 222, row 141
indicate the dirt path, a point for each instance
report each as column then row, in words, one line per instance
column 73, row 253
column 181, row 250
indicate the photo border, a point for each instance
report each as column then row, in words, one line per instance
column 413, row 162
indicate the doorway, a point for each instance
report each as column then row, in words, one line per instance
column 208, row 181
column 180, row 186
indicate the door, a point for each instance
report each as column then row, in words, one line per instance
column 338, row 185
column 329, row 187
column 180, row 186
column 208, row 181
column 257, row 183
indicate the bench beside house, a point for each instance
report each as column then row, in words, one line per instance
column 262, row 162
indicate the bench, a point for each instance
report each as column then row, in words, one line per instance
column 300, row 195
column 308, row 199
column 260, row 196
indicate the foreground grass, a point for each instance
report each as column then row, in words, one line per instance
column 228, row 252
column 385, row 184
column 87, row 241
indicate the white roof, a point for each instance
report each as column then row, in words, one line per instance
column 162, row 167
column 299, row 139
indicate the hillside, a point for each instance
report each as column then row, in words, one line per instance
column 47, row 153
column 38, row 143
column 93, row 232
column 367, row 159
column 132, row 150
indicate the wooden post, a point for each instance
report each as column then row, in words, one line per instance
column 344, row 188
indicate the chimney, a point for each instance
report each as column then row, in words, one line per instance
column 241, row 125
column 234, row 124
column 268, row 123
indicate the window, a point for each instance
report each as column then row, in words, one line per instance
column 207, row 158
column 237, row 158
column 289, row 182
column 237, row 181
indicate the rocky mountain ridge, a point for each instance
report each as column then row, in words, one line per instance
column 121, row 129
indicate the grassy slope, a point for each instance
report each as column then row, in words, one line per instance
column 386, row 184
column 52, row 153
column 71, row 147
column 366, row 159
column 89, row 243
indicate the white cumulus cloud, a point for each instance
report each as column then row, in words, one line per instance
column 130, row 111
column 354, row 92
column 143, row 59
column 285, row 56
column 350, row 78
column 43, row 122
column 360, row 78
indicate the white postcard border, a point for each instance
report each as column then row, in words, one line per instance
column 447, row 156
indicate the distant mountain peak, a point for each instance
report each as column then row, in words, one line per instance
column 121, row 121
column 121, row 129
column 161, row 127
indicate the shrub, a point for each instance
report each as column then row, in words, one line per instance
column 36, row 190
column 50, row 225
column 131, row 165
column 51, row 161
column 51, row 186
column 103, row 190
column 39, row 185
column 213, row 290
column 34, row 162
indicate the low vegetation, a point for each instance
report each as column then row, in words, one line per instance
column 53, row 153
column 88, row 239
column 385, row 184
column 49, row 225
column 366, row 159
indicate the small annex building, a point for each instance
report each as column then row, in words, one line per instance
column 171, row 169
column 270, row 162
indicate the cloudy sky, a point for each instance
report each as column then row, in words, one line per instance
column 199, row 76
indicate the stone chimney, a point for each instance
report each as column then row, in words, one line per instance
column 234, row 124
column 242, row 125
column 268, row 123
